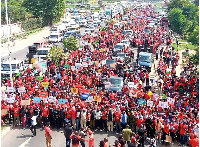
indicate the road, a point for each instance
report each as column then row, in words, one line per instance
column 23, row 138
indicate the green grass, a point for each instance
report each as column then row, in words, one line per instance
column 2, row 127
column 183, row 46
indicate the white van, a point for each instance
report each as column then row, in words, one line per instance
column 55, row 37
column 41, row 54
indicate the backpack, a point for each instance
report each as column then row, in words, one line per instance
column 75, row 140
column 101, row 144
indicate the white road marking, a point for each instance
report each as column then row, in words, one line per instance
column 25, row 143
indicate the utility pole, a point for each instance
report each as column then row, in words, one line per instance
column 9, row 52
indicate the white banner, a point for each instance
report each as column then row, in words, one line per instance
column 11, row 100
column 21, row 89
column 163, row 104
column 103, row 62
column 170, row 100
column 10, row 89
column 51, row 99
column 149, row 103
column 85, row 65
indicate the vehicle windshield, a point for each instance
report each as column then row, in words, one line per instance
column 71, row 29
column 119, row 46
column 121, row 55
column 144, row 59
column 53, row 29
column 36, row 44
column 108, row 62
column 53, row 36
column 115, row 81
column 42, row 52
column 6, row 67
column 125, row 41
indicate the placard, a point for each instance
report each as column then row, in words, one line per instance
column 97, row 98
column 103, row 62
column 62, row 101
column 43, row 94
column 73, row 68
column 90, row 99
column 66, row 66
column 10, row 89
column 51, row 99
column 84, row 96
column 36, row 99
column 132, row 93
column 141, row 101
column 78, row 65
column 168, row 139
column 149, row 103
column 112, row 65
column 74, row 90
column 85, row 65
column 96, row 62
column 3, row 88
column 10, row 100
column 4, row 112
column 98, row 74
column 170, row 100
column 163, row 104
column 21, row 89
column 25, row 102
column 39, row 78
column 45, row 84
column 130, row 84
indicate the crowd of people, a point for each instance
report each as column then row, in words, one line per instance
column 119, row 111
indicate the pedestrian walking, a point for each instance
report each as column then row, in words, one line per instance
column 33, row 125
column 75, row 139
column 127, row 134
column 91, row 139
column 67, row 133
column 48, row 134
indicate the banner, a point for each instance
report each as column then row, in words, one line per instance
column 84, row 96
column 25, row 102
column 21, row 89
column 103, row 62
column 78, row 65
column 141, row 101
column 45, row 84
column 90, row 99
column 39, row 78
column 149, row 103
column 51, row 99
column 62, row 101
column 36, row 99
column 85, row 64
column 3, row 88
column 74, row 90
column 130, row 84
column 97, row 98
column 163, row 104
column 10, row 89
column 44, row 94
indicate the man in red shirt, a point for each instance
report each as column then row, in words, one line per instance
column 173, row 130
column 194, row 142
column 45, row 114
column 183, row 128
column 104, row 120
column 117, row 118
column 16, row 116
column 48, row 134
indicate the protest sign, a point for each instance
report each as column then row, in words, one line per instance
column 141, row 101
column 73, row 68
column 90, row 99
column 21, row 89
column 103, row 62
column 10, row 89
column 78, row 65
column 85, row 64
column 51, row 99
column 132, row 93
column 74, row 90
column 25, row 102
column 62, row 101
column 149, row 103
column 45, row 84
column 130, row 84
column 44, row 94
column 112, row 65
column 170, row 100
column 10, row 100
column 97, row 98
column 4, row 112
column 84, row 96
column 36, row 99
column 3, row 88
column 121, row 93
column 66, row 66
column 163, row 104
column 39, row 78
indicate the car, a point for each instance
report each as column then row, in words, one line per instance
column 145, row 60
column 126, row 43
column 110, row 61
column 92, row 28
column 55, row 37
column 128, row 32
column 87, row 31
column 89, row 24
column 82, row 23
column 116, row 84
column 68, row 33
column 118, row 47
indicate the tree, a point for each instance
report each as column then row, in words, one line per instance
column 189, row 10
column 177, row 20
column 71, row 43
column 57, row 53
column 196, row 2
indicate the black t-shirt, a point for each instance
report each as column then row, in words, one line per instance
column 68, row 132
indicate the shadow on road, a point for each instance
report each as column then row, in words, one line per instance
column 24, row 136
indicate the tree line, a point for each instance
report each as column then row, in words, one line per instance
column 33, row 13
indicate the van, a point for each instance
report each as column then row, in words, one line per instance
column 17, row 66
column 55, row 37
column 42, row 53
column 116, row 83
column 145, row 60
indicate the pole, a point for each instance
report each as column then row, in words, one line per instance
column 9, row 53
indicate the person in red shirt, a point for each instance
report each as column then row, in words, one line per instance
column 194, row 142
column 183, row 129
column 104, row 120
column 16, row 116
column 117, row 118
column 45, row 114
column 91, row 139
column 139, row 122
column 173, row 130
column 74, row 115
column 48, row 134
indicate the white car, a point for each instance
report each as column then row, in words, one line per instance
column 54, row 38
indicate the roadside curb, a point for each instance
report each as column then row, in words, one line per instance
column 5, row 131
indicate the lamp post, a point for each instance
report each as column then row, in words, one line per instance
column 8, row 36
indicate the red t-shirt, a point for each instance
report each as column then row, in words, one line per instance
column 117, row 116
column 16, row 111
column 183, row 129
column 45, row 112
